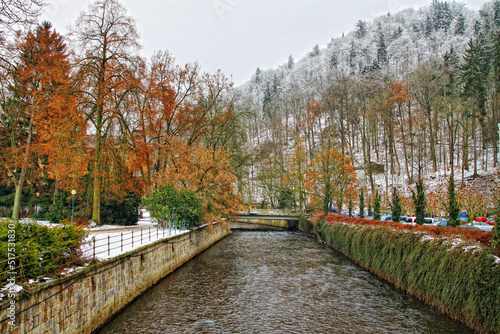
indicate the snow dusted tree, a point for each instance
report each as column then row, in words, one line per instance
column 381, row 48
column 290, row 64
column 361, row 29
column 460, row 23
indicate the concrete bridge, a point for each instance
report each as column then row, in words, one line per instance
column 265, row 220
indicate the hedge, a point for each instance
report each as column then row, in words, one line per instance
column 460, row 278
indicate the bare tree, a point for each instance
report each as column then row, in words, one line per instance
column 107, row 39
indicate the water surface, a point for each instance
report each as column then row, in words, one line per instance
column 276, row 282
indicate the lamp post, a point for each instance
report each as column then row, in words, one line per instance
column 73, row 193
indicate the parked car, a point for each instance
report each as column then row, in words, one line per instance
column 470, row 226
column 481, row 219
column 441, row 222
column 386, row 217
column 491, row 221
column 402, row 219
column 428, row 220
column 480, row 226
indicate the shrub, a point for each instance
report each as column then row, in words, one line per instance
column 459, row 280
column 286, row 199
column 167, row 205
column 40, row 251
column 121, row 211
column 59, row 210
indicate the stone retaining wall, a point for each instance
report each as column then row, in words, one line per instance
column 84, row 301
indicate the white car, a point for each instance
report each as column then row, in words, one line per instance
column 480, row 226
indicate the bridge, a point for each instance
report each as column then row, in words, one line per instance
column 265, row 220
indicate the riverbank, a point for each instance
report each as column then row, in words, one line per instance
column 460, row 278
column 84, row 301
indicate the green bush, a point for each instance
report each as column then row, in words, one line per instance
column 59, row 210
column 286, row 199
column 167, row 205
column 40, row 251
column 121, row 212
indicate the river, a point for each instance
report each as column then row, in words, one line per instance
column 276, row 282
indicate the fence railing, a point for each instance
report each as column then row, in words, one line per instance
column 114, row 241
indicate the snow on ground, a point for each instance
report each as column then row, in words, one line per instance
column 106, row 245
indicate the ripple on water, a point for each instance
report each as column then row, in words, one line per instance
column 276, row 282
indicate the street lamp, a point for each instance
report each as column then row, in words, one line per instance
column 73, row 193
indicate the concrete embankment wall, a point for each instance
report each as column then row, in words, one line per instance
column 84, row 301
column 460, row 279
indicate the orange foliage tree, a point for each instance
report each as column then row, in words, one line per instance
column 206, row 172
column 330, row 176
column 41, row 123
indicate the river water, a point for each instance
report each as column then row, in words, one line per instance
column 276, row 282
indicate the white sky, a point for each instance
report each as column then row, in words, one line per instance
column 237, row 36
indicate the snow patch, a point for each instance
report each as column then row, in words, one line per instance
column 427, row 237
column 474, row 249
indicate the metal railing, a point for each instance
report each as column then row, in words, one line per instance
column 122, row 240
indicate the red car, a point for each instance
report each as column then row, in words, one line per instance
column 490, row 221
column 482, row 219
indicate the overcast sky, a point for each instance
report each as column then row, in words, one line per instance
column 237, row 36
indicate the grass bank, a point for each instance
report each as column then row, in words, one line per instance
column 457, row 274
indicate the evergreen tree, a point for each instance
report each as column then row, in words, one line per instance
column 361, row 204
column 352, row 54
column 315, row 52
column 396, row 205
column 452, row 63
column 376, row 206
column 495, row 55
column 333, row 60
column 496, row 14
column 361, row 29
column 453, row 207
column 460, row 25
column 428, row 26
column 419, row 202
column 477, row 28
column 290, row 63
column 442, row 15
column 258, row 74
column 474, row 71
column 381, row 48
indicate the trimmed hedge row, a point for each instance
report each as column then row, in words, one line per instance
column 462, row 280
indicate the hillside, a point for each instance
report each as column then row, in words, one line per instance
column 390, row 92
